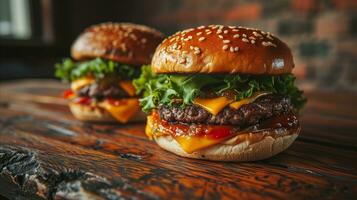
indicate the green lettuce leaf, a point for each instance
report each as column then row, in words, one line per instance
column 69, row 70
column 163, row 88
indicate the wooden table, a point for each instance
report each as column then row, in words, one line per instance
column 46, row 154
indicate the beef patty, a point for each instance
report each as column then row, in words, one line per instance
column 247, row 115
column 100, row 91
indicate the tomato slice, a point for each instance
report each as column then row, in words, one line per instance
column 219, row 132
column 67, row 94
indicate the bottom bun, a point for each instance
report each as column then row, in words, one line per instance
column 96, row 114
column 267, row 144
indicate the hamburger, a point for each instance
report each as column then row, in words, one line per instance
column 105, row 60
column 221, row 93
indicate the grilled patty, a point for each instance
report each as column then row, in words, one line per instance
column 100, row 91
column 248, row 114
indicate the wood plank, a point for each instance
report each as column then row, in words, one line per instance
column 46, row 153
column 310, row 166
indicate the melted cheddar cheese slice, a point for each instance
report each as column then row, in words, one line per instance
column 251, row 99
column 81, row 82
column 191, row 144
column 128, row 87
column 215, row 105
column 122, row 112
column 188, row 143
column 149, row 126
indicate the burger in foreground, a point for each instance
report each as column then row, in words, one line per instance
column 106, row 59
column 221, row 93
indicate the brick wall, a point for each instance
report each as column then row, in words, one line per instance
column 321, row 33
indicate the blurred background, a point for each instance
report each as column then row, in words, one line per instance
column 35, row 34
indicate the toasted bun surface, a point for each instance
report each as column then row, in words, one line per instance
column 223, row 49
column 235, row 149
column 122, row 42
column 96, row 114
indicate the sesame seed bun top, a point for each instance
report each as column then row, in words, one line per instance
column 122, row 42
column 223, row 49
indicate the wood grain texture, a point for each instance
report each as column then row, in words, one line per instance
column 46, row 154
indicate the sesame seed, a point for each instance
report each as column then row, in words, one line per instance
column 186, row 39
column 189, row 37
column 256, row 34
column 184, row 52
column 235, row 30
column 191, row 47
column 231, row 49
column 179, row 47
column 268, row 44
column 269, row 37
column 188, row 30
column 201, row 27
column 172, row 39
column 132, row 36
column 236, row 36
column 251, row 37
column 252, row 41
column 219, row 31
column 196, row 48
column 236, row 48
column 201, row 39
column 225, row 31
column 244, row 35
column 220, row 36
column 226, row 41
column 130, row 54
column 225, row 47
column 245, row 40
column 231, row 27
column 199, row 33
column 208, row 32
column 197, row 52
column 123, row 47
column 214, row 27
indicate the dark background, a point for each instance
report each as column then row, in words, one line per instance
column 321, row 33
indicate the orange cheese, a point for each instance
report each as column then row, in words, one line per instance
column 251, row 99
column 128, row 87
column 215, row 105
column 191, row 143
column 122, row 112
column 148, row 127
column 81, row 82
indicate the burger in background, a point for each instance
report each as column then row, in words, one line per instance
column 106, row 58
column 221, row 93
